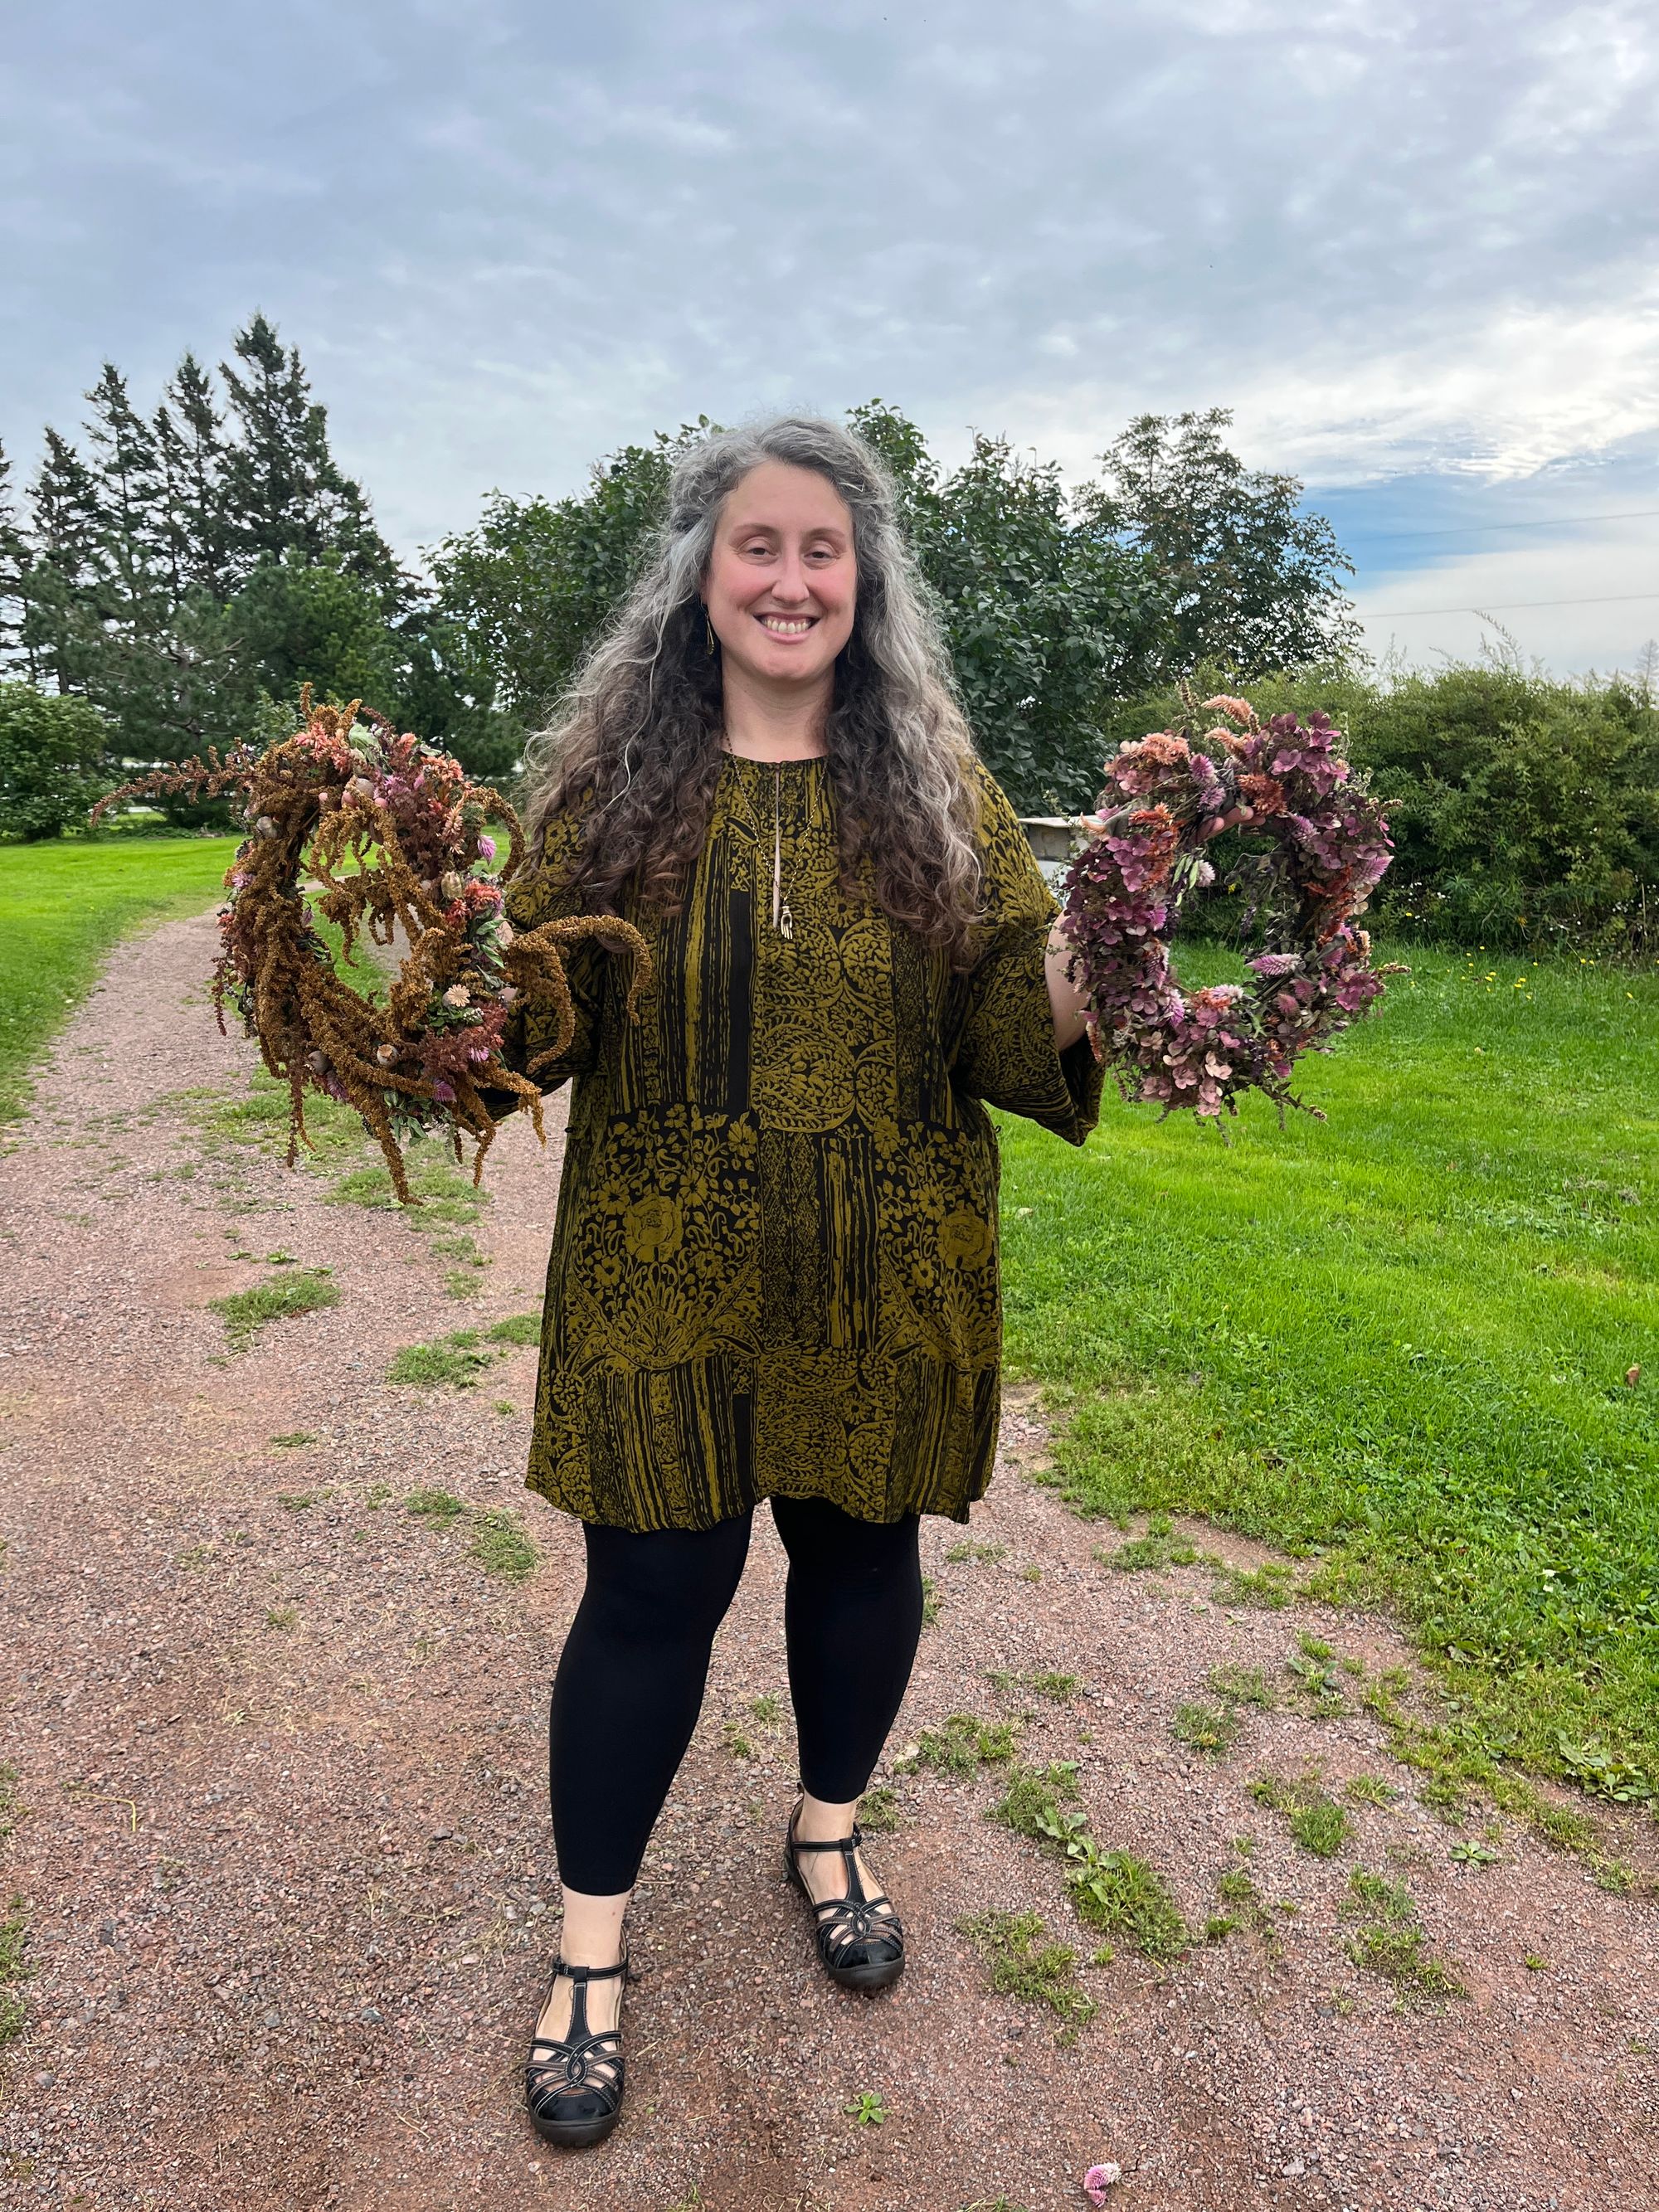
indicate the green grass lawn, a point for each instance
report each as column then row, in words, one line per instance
column 62, row 905
column 1394, row 1343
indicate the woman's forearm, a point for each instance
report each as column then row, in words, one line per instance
column 1065, row 999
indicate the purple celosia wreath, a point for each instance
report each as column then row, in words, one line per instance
column 1320, row 844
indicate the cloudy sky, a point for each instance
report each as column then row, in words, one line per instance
column 1411, row 245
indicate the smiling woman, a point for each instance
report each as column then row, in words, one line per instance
column 774, row 1270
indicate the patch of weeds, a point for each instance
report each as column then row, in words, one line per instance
column 1616, row 1875
column 1313, row 1668
column 1316, row 1821
column 457, row 1283
column 879, row 1809
column 377, row 1495
column 517, row 1328
column 439, row 1508
column 868, row 2110
column 1055, row 1687
column 1370, row 1789
column 970, row 1551
column 14, row 1969
column 1031, row 1572
column 295, row 1440
column 9, row 1808
column 963, row 1745
column 444, row 1195
column 503, row 1407
column 1534, row 1962
column 929, row 1601
column 272, row 1259
column 1101, row 1955
column 456, row 1360
column 1457, row 1760
column 1209, row 1728
column 1159, row 1547
column 283, row 1616
column 1390, row 1939
column 501, row 1546
column 1600, row 1774
column 767, row 1709
column 737, row 1742
column 1243, row 1685
column 280, row 1297
column 1471, row 1853
column 1268, row 1585
column 196, row 1558
column 1020, row 1964
column 1111, row 1890
column 295, row 1501
column 1030, row 1804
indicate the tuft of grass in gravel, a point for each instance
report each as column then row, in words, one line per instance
column 879, row 1809
column 457, row 1283
column 1020, row 1964
column 501, row 1546
column 283, row 1616
column 973, row 1551
column 439, row 1508
column 1209, row 1728
column 963, row 1745
column 1316, row 1821
column 1112, row 1890
column 9, row 1807
column 1056, row 1688
column 1159, row 1547
column 516, row 1329
column 279, row 1298
column 1243, row 1685
column 445, row 1197
column 295, row 1440
column 454, row 1362
column 1390, row 1939
column 14, row 1969
column 1370, row 1789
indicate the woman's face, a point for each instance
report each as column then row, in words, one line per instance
column 782, row 580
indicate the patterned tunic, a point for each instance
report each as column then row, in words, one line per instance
column 775, row 1257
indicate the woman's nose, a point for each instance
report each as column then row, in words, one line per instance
column 790, row 582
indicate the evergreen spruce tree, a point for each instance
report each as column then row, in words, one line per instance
column 284, row 492
column 14, row 568
column 190, row 434
column 61, row 632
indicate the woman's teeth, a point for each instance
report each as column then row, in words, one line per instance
column 783, row 627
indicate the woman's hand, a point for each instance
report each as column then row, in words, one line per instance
column 1065, row 999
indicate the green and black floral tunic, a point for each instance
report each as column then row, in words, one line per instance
column 774, row 1261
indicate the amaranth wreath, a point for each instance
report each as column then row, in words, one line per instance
column 396, row 837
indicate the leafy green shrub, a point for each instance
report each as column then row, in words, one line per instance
column 52, row 762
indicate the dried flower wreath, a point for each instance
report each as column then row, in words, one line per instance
column 396, row 837
column 1327, row 844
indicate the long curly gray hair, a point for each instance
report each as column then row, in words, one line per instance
column 634, row 747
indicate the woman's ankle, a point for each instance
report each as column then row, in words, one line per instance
column 591, row 1931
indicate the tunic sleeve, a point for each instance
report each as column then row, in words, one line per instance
column 1004, row 1046
column 543, row 896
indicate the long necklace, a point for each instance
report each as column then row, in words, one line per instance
column 782, row 921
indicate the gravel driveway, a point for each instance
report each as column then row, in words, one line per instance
column 282, row 1835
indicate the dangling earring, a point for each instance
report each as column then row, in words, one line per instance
column 709, row 633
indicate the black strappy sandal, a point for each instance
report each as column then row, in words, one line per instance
column 861, row 1948
column 574, row 2093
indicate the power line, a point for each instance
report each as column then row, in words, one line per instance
column 1506, row 607
column 1538, row 522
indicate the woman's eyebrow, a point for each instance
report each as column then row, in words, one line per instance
column 770, row 530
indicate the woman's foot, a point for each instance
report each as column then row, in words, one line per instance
column 860, row 1937
column 573, row 2077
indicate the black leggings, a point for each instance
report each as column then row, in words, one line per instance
column 630, row 1679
